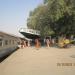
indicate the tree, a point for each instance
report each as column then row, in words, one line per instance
column 40, row 21
column 54, row 17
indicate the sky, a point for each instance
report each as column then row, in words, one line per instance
column 14, row 14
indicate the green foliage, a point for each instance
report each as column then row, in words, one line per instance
column 54, row 17
column 46, row 1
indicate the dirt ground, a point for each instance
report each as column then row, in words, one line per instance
column 43, row 61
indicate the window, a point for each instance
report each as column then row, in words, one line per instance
column 13, row 42
column 0, row 42
column 10, row 41
column 6, row 42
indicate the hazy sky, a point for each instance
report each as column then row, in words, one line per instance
column 14, row 13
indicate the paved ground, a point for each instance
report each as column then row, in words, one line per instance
column 45, row 61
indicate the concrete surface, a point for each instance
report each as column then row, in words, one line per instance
column 45, row 61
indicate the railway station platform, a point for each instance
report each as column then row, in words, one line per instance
column 45, row 61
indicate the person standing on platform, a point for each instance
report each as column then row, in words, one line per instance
column 22, row 43
column 37, row 43
column 47, row 42
column 28, row 43
column 25, row 44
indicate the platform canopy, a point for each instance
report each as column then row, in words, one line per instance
column 30, row 33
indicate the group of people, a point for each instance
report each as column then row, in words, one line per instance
column 24, row 44
column 37, row 43
column 62, row 42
